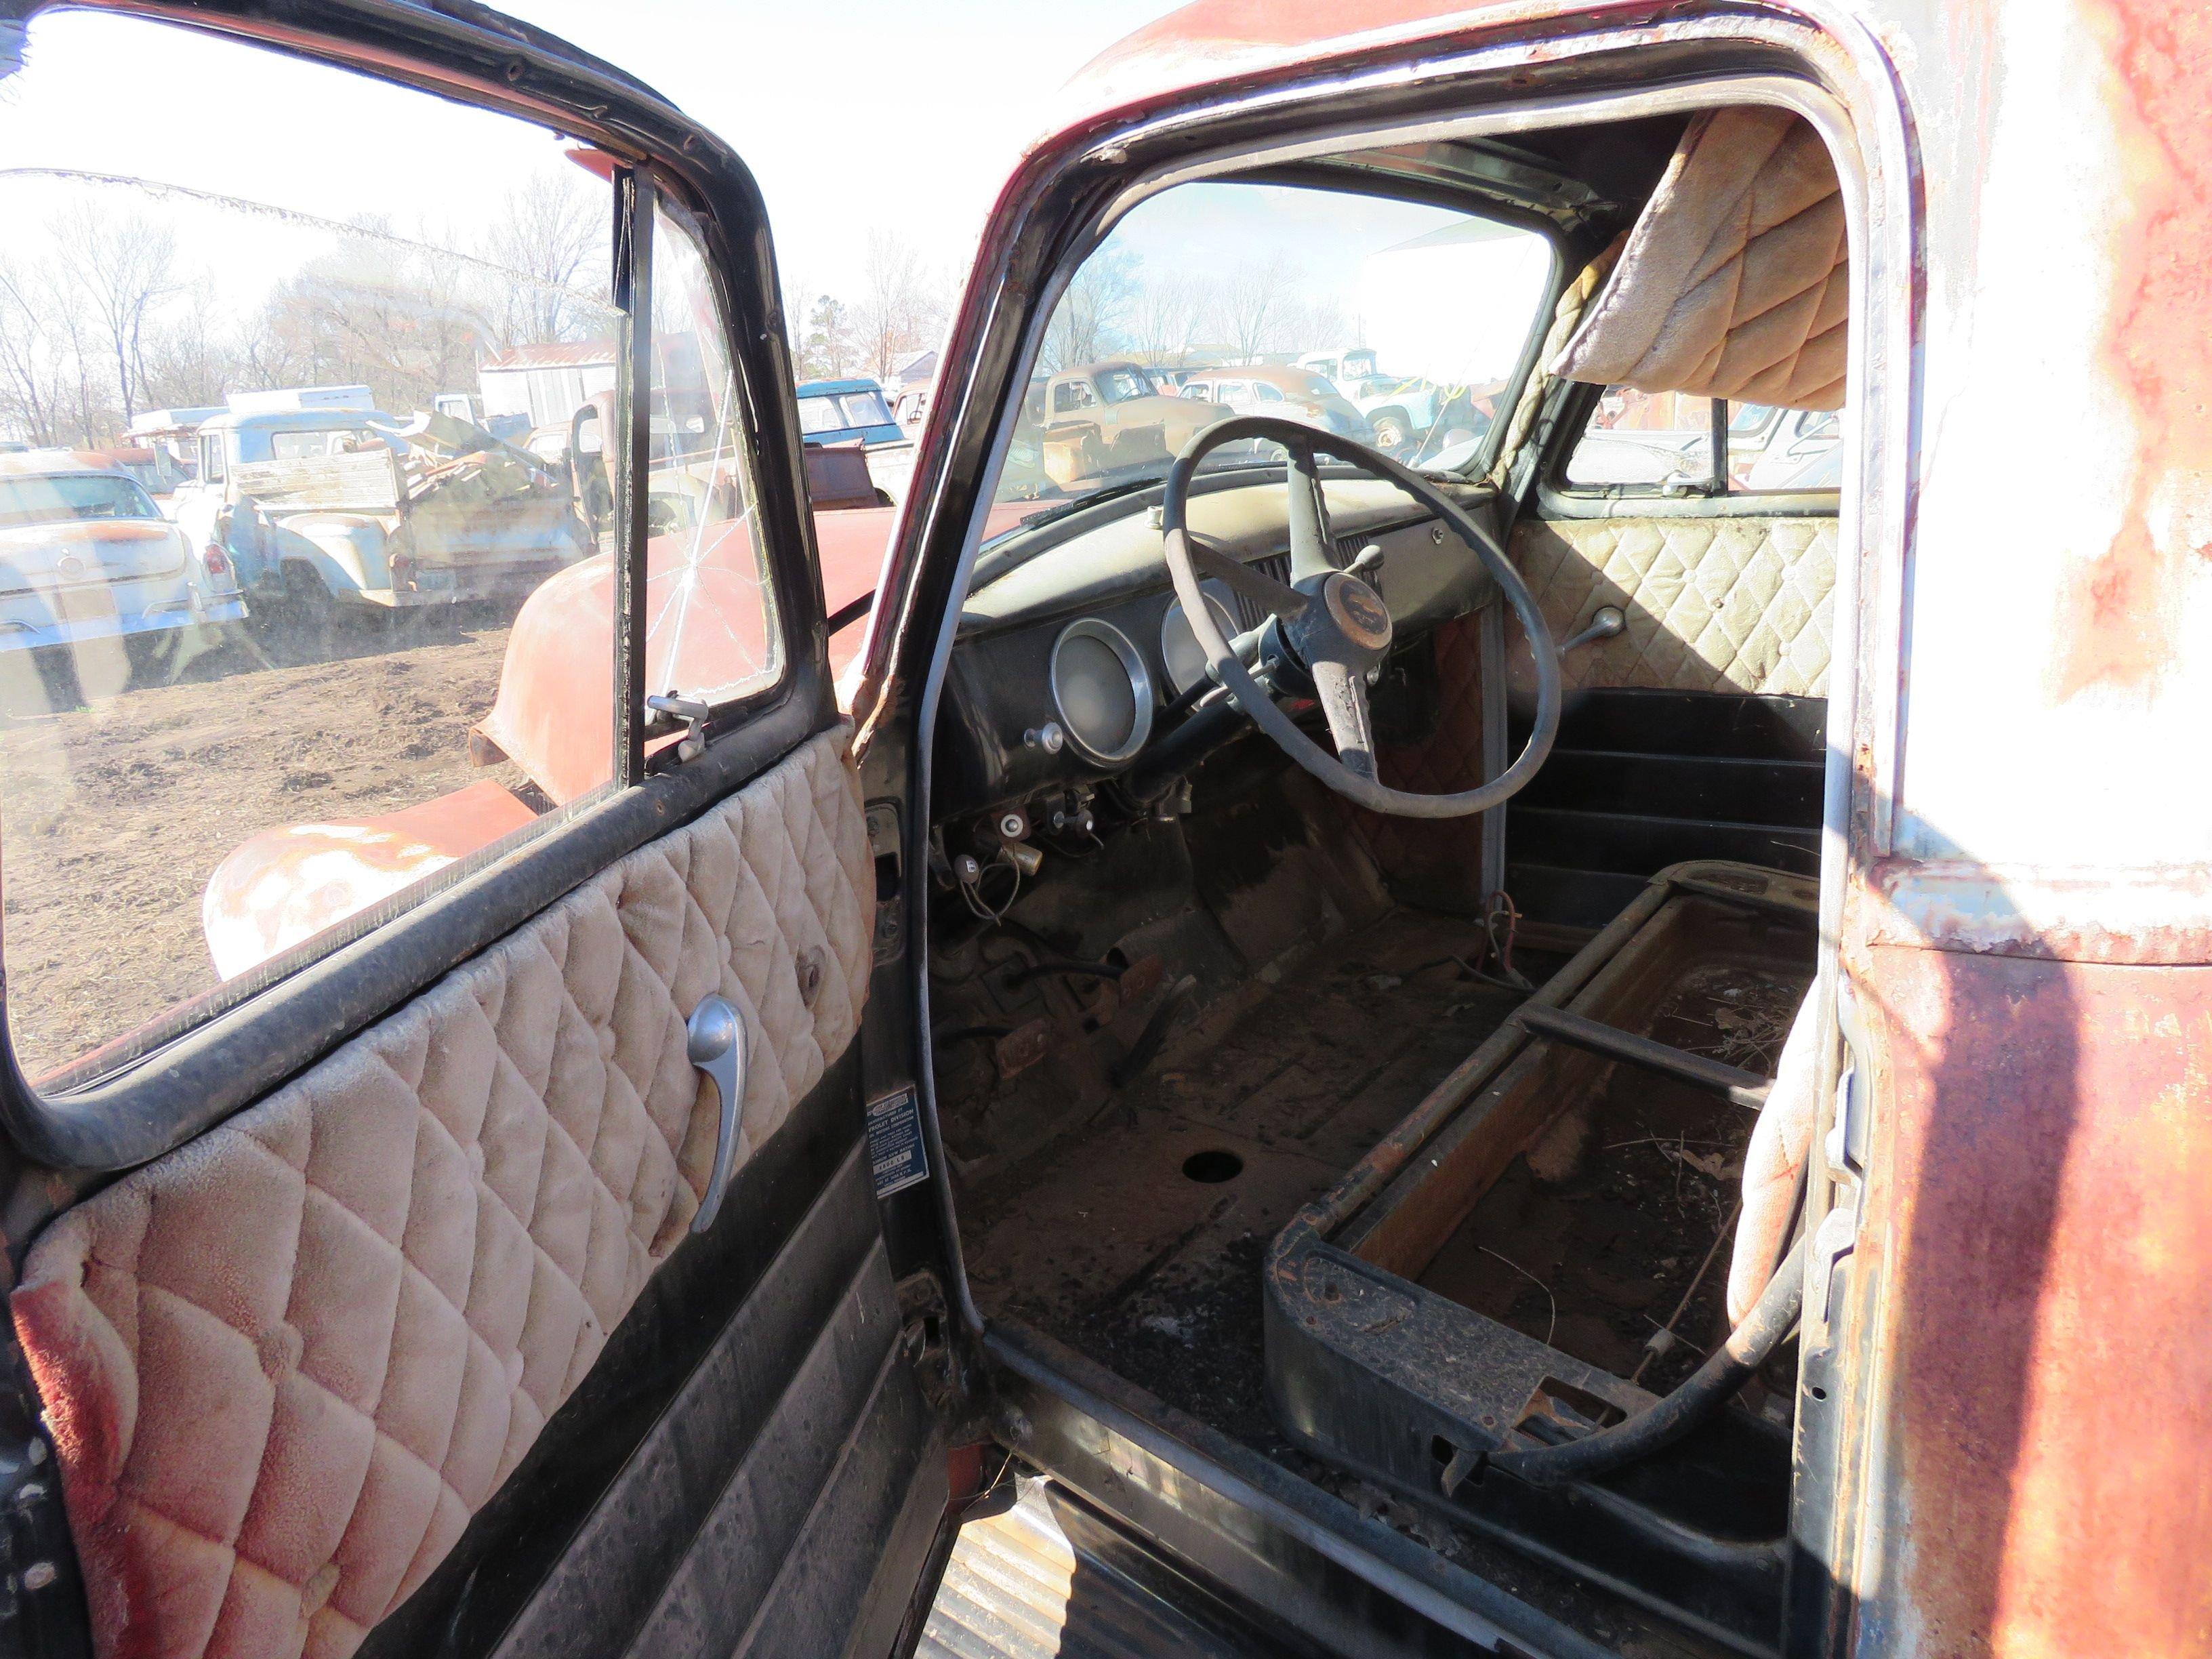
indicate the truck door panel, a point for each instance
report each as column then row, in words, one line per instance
column 415, row 1348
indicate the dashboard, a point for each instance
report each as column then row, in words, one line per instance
column 1073, row 661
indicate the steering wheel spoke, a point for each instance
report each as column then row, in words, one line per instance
column 1313, row 544
column 1343, row 693
column 1277, row 598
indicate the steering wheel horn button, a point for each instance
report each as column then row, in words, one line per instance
column 1359, row 612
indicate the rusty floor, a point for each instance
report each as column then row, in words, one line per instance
column 1139, row 1241
column 1597, row 1259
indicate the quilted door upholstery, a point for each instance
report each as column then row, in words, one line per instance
column 283, row 1365
column 1722, row 605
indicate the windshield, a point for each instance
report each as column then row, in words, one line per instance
column 1118, row 385
column 1212, row 298
column 70, row 498
column 838, row 411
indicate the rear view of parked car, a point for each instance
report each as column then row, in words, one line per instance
column 1292, row 394
column 85, row 555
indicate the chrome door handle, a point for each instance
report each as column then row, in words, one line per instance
column 716, row 1046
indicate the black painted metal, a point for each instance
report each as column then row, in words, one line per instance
column 1246, row 1525
column 1641, row 780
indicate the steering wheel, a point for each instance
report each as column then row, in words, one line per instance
column 1331, row 625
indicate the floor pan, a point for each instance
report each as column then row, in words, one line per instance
column 1139, row 1240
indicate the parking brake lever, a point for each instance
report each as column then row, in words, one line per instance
column 716, row 1046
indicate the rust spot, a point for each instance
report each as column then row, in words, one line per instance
column 2124, row 605
column 2047, row 1152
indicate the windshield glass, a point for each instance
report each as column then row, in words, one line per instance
column 71, row 497
column 835, row 411
column 1118, row 385
column 1398, row 325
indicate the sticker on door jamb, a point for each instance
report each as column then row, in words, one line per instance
column 895, row 1148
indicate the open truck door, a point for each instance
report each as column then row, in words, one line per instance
column 499, row 1268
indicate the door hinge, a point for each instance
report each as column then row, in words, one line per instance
column 926, row 1336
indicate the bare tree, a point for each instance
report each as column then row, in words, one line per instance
column 828, row 349
column 1089, row 321
column 553, row 232
column 407, row 321
column 30, row 353
column 901, row 305
column 1250, row 305
column 1164, row 321
column 124, row 271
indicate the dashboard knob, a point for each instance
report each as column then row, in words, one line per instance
column 1048, row 737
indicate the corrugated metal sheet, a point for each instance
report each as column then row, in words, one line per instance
column 1018, row 1587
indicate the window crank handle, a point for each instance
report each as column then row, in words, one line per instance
column 1604, row 625
column 716, row 1045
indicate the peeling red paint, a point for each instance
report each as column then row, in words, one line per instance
column 2050, row 1152
column 2124, row 606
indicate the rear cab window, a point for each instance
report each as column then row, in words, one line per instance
column 1671, row 444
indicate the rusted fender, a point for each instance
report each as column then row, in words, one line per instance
column 285, row 886
column 2043, row 1195
column 704, row 617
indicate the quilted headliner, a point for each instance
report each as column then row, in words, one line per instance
column 283, row 1365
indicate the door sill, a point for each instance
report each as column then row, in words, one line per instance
column 1235, row 1520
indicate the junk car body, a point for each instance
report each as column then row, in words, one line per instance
column 341, row 507
column 1654, row 1103
column 88, row 556
column 1297, row 394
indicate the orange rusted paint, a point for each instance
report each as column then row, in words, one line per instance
column 2126, row 604
column 2043, row 1206
column 285, row 886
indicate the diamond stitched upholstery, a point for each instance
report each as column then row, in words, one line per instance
column 1734, row 605
column 285, row 1364
column 1735, row 282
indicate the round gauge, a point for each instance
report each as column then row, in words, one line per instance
column 1179, row 647
column 1103, row 690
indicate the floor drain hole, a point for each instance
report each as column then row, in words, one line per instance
column 1213, row 1166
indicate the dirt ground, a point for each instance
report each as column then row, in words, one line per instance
column 115, row 810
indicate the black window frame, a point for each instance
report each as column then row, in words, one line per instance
column 156, row 1089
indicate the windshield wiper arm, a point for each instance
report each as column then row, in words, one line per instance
column 1060, row 510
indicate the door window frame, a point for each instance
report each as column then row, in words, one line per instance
column 181, row 1074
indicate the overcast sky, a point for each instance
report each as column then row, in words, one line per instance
column 903, row 114
column 853, row 114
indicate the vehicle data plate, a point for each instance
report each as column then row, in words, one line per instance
column 894, row 1147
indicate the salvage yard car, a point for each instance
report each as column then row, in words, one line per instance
column 86, row 557
column 1092, row 423
column 1292, row 394
column 1325, row 1058
column 321, row 509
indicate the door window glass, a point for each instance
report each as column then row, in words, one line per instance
column 235, row 736
column 710, row 618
